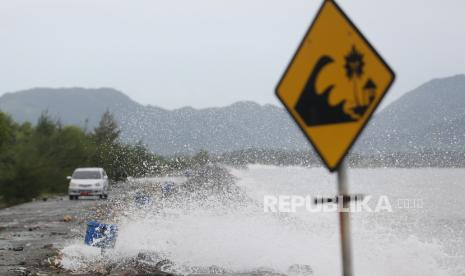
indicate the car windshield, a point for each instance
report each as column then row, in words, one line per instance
column 86, row 175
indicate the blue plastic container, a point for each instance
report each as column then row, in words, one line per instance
column 101, row 235
column 143, row 200
column 166, row 188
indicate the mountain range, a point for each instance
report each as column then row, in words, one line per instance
column 430, row 117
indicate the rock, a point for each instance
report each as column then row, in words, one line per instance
column 44, row 199
column 20, row 269
column 54, row 261
column 265, row 271
column 48, row 246
column 19, row 248
column 300, row 270
column 164, row 265
column 125, row 272
column 145, row 263
column 214, row 269
column 67, row 218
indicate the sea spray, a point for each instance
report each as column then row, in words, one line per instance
column 212, row 232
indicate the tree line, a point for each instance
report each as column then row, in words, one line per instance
column 35, row 159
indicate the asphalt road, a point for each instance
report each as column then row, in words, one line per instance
column 31, row 234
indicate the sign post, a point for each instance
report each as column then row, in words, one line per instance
column 331, row 88
column 344, row 222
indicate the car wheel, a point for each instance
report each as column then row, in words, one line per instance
column 105, row 196
column 71, row 197
column 76, row 197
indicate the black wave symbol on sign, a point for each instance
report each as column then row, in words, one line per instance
column 314, row 107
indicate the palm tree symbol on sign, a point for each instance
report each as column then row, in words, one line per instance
column 354, row 71
column 314, row 107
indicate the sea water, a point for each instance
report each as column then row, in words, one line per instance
column 425, row 238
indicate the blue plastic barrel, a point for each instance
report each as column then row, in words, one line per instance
column 100, row 234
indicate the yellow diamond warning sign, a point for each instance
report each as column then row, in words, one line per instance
column 334, row 84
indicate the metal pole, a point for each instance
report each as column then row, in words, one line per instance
column 344, row 223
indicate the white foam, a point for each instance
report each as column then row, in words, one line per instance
column 243, row 238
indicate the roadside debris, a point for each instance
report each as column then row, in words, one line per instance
column 53, row 233
column 67, row 218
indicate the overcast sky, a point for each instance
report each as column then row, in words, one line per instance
column 203, row 53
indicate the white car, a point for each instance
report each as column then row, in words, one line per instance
column 88, row 182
